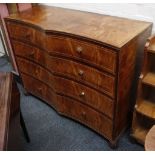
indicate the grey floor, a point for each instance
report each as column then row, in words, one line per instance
column 50, row 131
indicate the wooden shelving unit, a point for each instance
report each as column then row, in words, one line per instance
column 144, row 112
column 149, row 79
column 146, row 108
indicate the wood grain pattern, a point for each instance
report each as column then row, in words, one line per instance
column 146, row 108
column 79, row 111
column 86, row 115
column 86, row 95
column 5, row 96
column 149, row 79
column 69, row 88
column 145, row 104
column 80, row 63
column 9, row 113
column 102, row 28
column 90, row 76
column 102, row 57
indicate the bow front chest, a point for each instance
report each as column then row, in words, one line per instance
column 82, row 64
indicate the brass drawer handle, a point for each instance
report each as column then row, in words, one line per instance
column 79, row 49
column 82, row 94
column 81, row 72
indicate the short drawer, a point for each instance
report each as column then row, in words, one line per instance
column 35, row 70
column 20, row 31
column 85, row 94
column 102, row 57
column 98, row 56
column 34, row 86
column 85, row 115
column 29, row 52
column 72, row 69
column 26, row 33
column 39, row 89
column 82, row 73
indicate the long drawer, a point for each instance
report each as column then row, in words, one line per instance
column 70, row 107
column 85, row 115
column 91, row 97
column 99, row 56
column 71, row 69
column 85, row 94
column 83, row 74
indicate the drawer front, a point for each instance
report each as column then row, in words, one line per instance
column 78, row 71
column 70, row 88
column 102, row 57
column 85, row 94
column 83, row 73
column 90, row 53
column 29, row 52
column 20, row 31
column 26, row 33
column 34, row 86
column 36, row 71
column 86, row 115
column 39, row 89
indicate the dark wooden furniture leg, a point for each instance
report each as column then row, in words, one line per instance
column 22, row 122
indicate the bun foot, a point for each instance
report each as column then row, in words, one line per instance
column 26, row 93
column 113, row 145
column 132, row 139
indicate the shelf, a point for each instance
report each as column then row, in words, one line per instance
column 151, row 48
column 149, row 79
column 146, row 108
column 139, row 134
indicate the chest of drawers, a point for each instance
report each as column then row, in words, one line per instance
column 82, row 64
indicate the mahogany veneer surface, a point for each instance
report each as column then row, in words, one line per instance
column 80, row 63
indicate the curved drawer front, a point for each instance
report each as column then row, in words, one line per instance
column 70, row 88
column 96, row 55
column 69, row 107
column 34, row 86
column 35, row 71
column 29, row 52
column 71, row 69
column 26, row 33
column 85, row 94
column 83, row 73
column 101, row 57
column 85, row 115
column 39, row 89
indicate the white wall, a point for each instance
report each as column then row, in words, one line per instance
column 141, row 11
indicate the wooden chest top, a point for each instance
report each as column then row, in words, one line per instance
column 113, row 31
